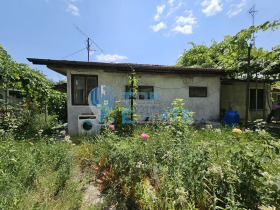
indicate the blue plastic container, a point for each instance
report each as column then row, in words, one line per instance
column 231, row 117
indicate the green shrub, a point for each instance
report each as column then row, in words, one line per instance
column 117, row 114
column 190, row 169
column 57, row 105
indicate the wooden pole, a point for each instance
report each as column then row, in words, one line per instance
column 264, row 101
column 248, row 85
column 131, row 101
column 88, row 48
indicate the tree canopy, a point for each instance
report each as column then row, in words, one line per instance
column 32, row 83
column 232, row 53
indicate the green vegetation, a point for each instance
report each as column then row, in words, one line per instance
column 33, row 174
column 232, row 53
column 169, row 165
column 189, row 169
column 36, row 93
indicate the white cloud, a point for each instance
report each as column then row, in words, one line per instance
column 235, row 9
column 174, row 8
column 160, row 10
column 159, row 26
column 170, row 2
column 73, row 9
column 110, row 58
column 185, row 24
column 211, row 7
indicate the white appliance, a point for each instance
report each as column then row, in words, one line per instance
column 88, row 125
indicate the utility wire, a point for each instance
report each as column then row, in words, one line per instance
column 74, row 53
column 275, row 16
column 88, row 37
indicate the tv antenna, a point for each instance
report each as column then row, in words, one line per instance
column 252, row 12
column 88, row 41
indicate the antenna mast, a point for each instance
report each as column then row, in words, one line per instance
column 88, row 42
column 88, row 49
column 252, row 12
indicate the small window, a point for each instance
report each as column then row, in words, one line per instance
column 141, row 91
column 145, row 89
column 81, row 87
column 197, row 91
column 256, row 99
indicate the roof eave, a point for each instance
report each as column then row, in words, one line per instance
column 62, row 66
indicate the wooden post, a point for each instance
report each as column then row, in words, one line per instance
column 131, row 101
column 248, row 85
column 264, row 101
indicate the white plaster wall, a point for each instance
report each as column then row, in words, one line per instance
column 169, row 86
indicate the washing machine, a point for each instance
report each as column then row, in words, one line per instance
column 88, row 125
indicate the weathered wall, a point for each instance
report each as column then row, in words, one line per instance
column 169, row 86
column 233, row 96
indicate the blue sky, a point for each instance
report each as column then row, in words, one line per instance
column 130, row 31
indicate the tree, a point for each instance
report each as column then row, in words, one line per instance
column 231, row 53
column 35, row 88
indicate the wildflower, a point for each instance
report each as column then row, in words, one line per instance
column 215, row 170
column 139, row 164
column 146, row 181
column 40, row 132
column 63, row 132
column 112, row 127
column 209, row 126
column 265, row 174
column 217, row 130
column 144, row 136
column 236, row 130
column 261, row 132
column 248, row 131
column 67, row 139
column 179, row 133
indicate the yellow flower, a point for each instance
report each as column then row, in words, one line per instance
column 236, row 130
column 146, row 181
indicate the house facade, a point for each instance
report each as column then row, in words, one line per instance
column 201, row 88
column 233, row 96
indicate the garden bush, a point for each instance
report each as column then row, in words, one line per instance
column 189, row 168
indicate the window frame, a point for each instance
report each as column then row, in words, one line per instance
column 262, row 99
column 197, row 95
column 85, row 87
column 127, row 89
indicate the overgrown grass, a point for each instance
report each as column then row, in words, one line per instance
column 180, row 167
column 177, row 167
column 34, row 175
